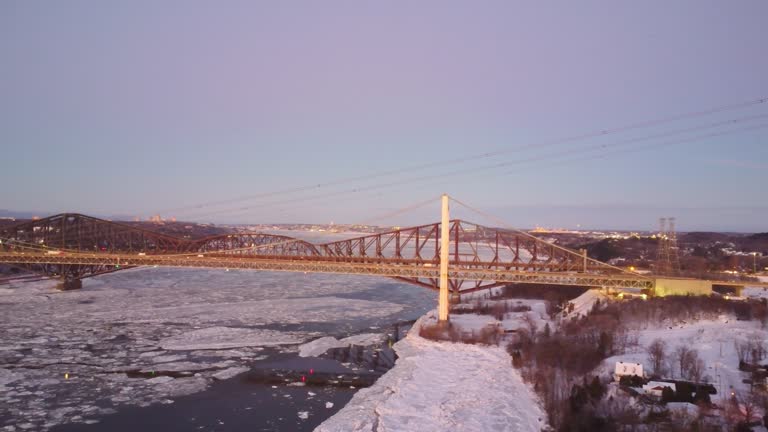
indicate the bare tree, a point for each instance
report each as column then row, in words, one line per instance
column 751, row 351
column 747, row 404
column 760, row 312
column 684, row 356
column 531, row 324
column 625, row 338
column 742, row 350
column 695, row 367
column 756, row 348
column 656, row 356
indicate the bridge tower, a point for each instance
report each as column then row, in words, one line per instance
column 445, row 245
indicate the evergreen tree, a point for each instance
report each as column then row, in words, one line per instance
column 667, row 395
column 596, row 389
column 702, row 397
column 605, row 344
column 579, row 398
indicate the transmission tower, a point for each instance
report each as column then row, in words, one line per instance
column 662, row 252
column 667, row 255
column 674, row 250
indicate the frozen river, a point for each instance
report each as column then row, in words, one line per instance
column 201, row 349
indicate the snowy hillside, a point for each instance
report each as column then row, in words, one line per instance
column 713, row 339
column 439, row 386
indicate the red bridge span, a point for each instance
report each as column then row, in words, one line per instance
column 74, row 246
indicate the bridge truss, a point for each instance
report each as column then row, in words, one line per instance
column 74, row 246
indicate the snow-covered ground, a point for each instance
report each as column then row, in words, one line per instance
column 713, row 339
column 145, row 336
column 756, row 292
column 537, row 315
column 439, row 386
column 582, row 304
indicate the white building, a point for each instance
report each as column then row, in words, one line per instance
column 627, row 369
column 654, row 388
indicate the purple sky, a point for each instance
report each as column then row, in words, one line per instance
column 134, row 108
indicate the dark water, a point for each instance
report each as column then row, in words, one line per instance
column 231, row 405
column 262, row 399
column 238, row 404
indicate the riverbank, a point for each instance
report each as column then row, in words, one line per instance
column 438, row 386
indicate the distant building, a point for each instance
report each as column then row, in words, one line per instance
column 627, row 369
column 654, row 388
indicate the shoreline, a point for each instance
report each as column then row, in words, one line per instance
column 439, row 385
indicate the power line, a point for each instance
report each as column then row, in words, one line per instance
column 588, row 135
column 589, row 157
column 662, row 144
column 496, row 166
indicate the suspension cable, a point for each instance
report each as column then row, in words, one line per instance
column 505, row 225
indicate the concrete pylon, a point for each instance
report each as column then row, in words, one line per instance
column 69, row 284
column 445, row 246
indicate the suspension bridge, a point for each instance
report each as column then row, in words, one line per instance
column 452, row 256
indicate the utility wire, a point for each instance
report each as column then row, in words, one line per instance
column 495, row 166
column 662, row 144
column 588, row 135
column 478, row 173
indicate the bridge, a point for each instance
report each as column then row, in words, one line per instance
column 452, row 256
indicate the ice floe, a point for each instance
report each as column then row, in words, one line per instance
column 226, row 337
column 229, row 373
column 319, row 346
column 117, row 338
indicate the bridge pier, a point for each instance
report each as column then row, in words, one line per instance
column 455, row 298
column 69, row 284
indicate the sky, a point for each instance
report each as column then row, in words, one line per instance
column 357, row 111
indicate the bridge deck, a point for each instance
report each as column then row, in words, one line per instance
column 474, row 273
column 73, row 246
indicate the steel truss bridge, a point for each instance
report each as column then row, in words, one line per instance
column 74, row 246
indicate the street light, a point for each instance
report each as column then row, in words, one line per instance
column 754, row 262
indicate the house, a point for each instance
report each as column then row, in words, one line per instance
column 654, row 388
column 627, row 369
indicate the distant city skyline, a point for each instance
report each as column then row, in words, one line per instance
column 356, row 110
column 644, row 219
